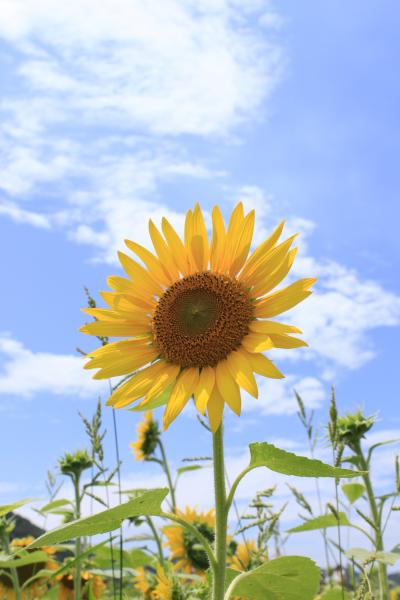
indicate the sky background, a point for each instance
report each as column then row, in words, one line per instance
column 118, row 111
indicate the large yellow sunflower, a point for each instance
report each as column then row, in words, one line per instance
column 197, row 315
column 184, row 545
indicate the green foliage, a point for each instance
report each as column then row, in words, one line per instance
column 335, row 594
column 322, row 522
column 364, row 557
column 148, row 503
column 281, row 461
column 7, row 508
column 285, row 578
column 7, row 562
column 353, row 491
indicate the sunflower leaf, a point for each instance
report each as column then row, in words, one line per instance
column 267, row 455
column 7, row 562
column 284, row 578
column 322, row 522
column 149, row 503
column 353, row 491
column 6, row 508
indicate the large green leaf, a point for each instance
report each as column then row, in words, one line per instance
column 336, row 594
column 353, row 491
column 149, row 503
column 284, row 578
column 322, row 522
column 30, row 558
column 263, row 454
column 6, row 508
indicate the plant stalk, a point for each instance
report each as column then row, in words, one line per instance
column 13, row 572
column 168, row 474
column 77, row 576
column 382, row 571
column 221, row 515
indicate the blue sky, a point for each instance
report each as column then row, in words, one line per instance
column 142, row 110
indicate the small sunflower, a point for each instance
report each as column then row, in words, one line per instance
column 186, row 553
column 66, row 589
column 144, row 581
column 197, row 315
column 148, row 436
column 241, row 560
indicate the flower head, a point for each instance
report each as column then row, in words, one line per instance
column 73, row 464
column 351, row 428
column 196, row 316
column 148, row 436
column 167, row 587
column 186, row 553
column 243, row 557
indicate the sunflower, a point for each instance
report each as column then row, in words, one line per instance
column 184, row 547
column 144, row 581
column 242, row 558
column 148, row 436
column 196, row 316
column 66, row 589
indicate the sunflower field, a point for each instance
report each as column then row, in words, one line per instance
column 194, row 321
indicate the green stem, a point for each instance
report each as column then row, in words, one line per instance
column 221, row 515
column 383, row 582
column 13, row 572
column 168, row 474
column 235, row 485
column 156, row 539
column 77, row 576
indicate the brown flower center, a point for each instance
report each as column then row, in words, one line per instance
column 200, row 319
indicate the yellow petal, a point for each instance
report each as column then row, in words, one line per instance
column 183, row 389
column 166, row 378
column 105, row 314
column 263, row 366
column 163, row 252
column 267, row 263
column 137, row 386
column 102, row 314
column 284, row 299
column 176, row 247
column 123, row 364
column 218, row 239
column 116, row 328
column 204, row 388
column 243, row 246
column 272, row 327
column 242, row 372
column 235, row 228
column 286, row 341
column 199, row 240
column 130, row 347
column 257, row 342
column 126, row 286
column 215, row 409
column 152, row 262
column 125, row 302
column 262, row 249
column 227, row 386
column 140, row 276
column 271, row 280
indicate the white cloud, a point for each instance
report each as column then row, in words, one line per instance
column 20, row 215
column 25, row 373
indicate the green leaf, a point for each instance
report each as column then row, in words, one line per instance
column 55, row 505
column 6, row 508
column 366, row 556
column 284, row 578
column 353, row 491
column 156, row 402
column 149, row 503
column 322, row 522
column 7, row 562
column 189, row 468
column 131, row 558
column 336, row 594
column 263, row 454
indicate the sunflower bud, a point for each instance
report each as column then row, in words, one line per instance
column 74, row 464
column 351, row 428
column 148, row 438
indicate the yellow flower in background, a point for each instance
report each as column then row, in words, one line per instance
column 66, row 588
column 144, row 582
column 148, row 436
column 185, row 551
column 241, row 560
column 164, row 587
column 196, row 316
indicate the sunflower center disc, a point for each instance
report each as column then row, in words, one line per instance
column 200, row 319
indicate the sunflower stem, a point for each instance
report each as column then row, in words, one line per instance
column 157, row 539
column 77, row 577
column 168, row 474
column 221, row 515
